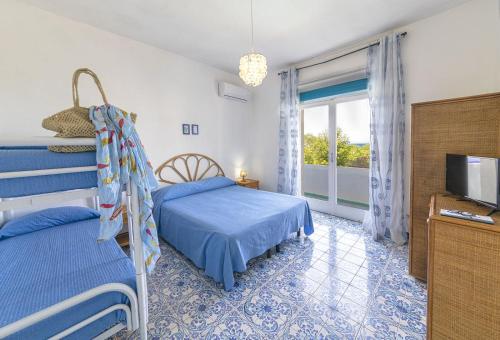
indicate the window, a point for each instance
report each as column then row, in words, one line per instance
column 336, row 148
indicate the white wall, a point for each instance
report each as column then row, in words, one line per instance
column 452, row 54
column 40, row 51
column 265, row 125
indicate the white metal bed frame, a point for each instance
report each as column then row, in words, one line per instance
column 137, row 312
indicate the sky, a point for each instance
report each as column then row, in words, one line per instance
column 352, row 117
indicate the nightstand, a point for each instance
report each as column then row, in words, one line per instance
column 248, row 183
column 122, row 237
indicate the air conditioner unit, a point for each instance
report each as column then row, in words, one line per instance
column 233, row 92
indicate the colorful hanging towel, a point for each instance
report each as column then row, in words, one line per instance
column 120, row 156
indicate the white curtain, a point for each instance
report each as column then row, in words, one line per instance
column 386, row 216
column 288, row 160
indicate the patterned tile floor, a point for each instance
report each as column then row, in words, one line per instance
column 337, row 284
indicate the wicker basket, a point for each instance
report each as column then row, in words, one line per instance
column 75, row 122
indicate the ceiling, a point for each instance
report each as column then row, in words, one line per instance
column 217, row 32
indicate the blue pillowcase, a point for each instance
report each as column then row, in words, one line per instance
column 47, row 218
column 190, row 188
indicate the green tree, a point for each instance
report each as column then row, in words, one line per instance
column 316, row 149
column 344, row 149
column 349, row 155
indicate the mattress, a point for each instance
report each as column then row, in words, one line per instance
column 221, row 229
column 36, row 158
column 44, row 267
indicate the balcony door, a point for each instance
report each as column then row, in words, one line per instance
column 335, row 155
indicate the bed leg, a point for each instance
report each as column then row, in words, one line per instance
column 278, row 248
column 268, row 253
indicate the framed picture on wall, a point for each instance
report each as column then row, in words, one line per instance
column 185, row 129
column 194, row 129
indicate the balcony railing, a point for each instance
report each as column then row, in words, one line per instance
column 352, row 184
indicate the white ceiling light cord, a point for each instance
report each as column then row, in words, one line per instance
column 251, row 25
column 253, row 66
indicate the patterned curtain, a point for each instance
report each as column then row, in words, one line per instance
column 386, row 216
column 288, row 160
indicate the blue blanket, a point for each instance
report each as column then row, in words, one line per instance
column 44, row 267
column 220, row 227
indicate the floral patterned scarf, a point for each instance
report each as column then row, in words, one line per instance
column 120, row 157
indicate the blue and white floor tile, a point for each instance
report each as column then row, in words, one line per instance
column 337, row 284
column 233, row 327
column 268, row 311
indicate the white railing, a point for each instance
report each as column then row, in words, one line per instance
column 352, row 182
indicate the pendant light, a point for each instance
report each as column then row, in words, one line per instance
column 253, row 66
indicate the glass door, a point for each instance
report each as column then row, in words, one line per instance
column 316, row 153
column 336, row 152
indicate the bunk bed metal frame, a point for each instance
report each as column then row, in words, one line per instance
column 137, row 312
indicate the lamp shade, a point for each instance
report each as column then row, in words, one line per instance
column 253, row 69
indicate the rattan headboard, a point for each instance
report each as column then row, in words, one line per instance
column 188, row 167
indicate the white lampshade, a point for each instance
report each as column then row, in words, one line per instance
column 253, row 69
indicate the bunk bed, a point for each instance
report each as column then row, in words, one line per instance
column 58, row 281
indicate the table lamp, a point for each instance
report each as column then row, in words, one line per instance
column 243, row 174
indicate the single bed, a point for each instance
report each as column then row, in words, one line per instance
column 44, row 267
column 218, row 224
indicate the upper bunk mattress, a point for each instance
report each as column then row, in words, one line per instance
column 44, row 267
column 37, row 158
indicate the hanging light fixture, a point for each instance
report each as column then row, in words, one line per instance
column 253, row 66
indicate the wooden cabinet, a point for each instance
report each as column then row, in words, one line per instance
column 122, row 238
column 468, row 125
column 249, row 183
column 463, row 274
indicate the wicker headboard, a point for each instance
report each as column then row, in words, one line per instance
column 188, row 167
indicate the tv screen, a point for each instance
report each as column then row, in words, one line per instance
column 473, row 177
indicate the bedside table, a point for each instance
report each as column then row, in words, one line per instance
column 248, row 183
column 122, row 236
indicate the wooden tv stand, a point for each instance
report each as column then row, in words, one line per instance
column 463, row 273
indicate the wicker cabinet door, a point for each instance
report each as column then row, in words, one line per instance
column 466, row 126
column 464, row 282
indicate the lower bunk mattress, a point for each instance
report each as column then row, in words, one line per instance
column 42, row 268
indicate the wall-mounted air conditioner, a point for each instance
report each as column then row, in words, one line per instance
column 233, row 92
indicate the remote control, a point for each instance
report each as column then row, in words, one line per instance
column 465, row 215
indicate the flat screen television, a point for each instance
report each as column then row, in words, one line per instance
column 474, row 178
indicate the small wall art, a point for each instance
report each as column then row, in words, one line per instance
column 185, row 129
column 194, row 129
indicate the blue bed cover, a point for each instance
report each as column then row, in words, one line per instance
column 221, row 229
column 44, row 267
column 36, row 158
